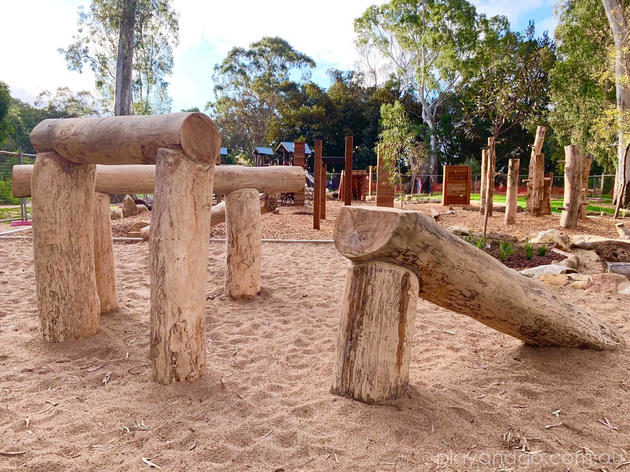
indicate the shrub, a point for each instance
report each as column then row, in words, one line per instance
column 480, row 243
column 542, row 250
column 505, row 250
column 529, row 251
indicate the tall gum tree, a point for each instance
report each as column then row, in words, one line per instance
column 430, row 44
column 618, row 18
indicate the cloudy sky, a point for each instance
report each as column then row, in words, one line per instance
column 33, row 30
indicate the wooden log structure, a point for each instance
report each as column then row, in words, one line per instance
column 587, row 162
column 451, row 273
column 512, row 192
column 370, row 180
column 347, row 187
column 323, row 193
column 104, row 254
column 535, row 178
column 491, row 159
column 178, row 248
column 184, row 147
column 384, row 187
column 317, row 198
column 299, row 160
column 572, row 186
column 546, row 200
column 243, row 243
column 121, row 179
column 484, row 181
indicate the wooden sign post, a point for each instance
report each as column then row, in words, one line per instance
column 317, row 190
column 384, row 188
column 347, row 188
column 298, row 160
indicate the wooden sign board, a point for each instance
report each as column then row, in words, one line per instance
column 457, row 185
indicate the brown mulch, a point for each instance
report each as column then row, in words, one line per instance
column 518, row 259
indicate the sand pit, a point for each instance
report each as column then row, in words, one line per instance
column 264, row 402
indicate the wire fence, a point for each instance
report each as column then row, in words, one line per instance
column 12, row 209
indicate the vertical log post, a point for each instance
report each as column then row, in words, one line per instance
column 375, row 332
column 512, row 192
column 347, row 190
column 572, row 186
column 370, row 178
column 299, row 158
column 546, row 201
column 587, row 161
column 492, row 165
column 323, row 193
column 535, row 178
column 384, row 188
column 243, row 243
column 178, row 247
column 104, row 254
column 341, row 191
column 484, row 181
column 317, row 186
column 63, row 247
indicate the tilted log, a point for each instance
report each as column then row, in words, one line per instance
column 104, row 254
column 512, row 192
column 572, row 186
column 375, row 332
column 179, row 262
column 63, row 247
column 131, row 139
column 121, row 179
column 587, row 162
column 459, row 277
column 243, row 234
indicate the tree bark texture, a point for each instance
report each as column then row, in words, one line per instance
column 179, row 259
column 459, row 277
column 587, row 161
column 243, row 243
column 104, row 254
column 347, row 188
column 63, row 247
column 375, row 332
column 512, row 192
column 535, row 177
column 572, row 186
column 484, row 181
column 124, row 59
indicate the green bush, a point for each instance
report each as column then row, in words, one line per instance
column 542, row 250
column 6, row 194
column 505, row 250
column 480, row 243
column 529, row 251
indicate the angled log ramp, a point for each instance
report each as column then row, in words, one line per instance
column 455, row 275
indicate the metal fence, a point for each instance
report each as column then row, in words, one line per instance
column 12, row 209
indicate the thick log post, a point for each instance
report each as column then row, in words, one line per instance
column 491, row 171
column 299, row 159
column 121, row 179
column 538, row 185
column 483, row 190
column 587, row 161
column 459, row 277
column 63, row 247
column 104, row 254
column 180, row 225
column 546, row 200
column 384, row 187
column 323, row 203
column 534, row 176
column 572, row 186
column 347, row 188
column 370, row 180
column 512, row 192
column 375, row 332
column 317, row 172
column 243, row 243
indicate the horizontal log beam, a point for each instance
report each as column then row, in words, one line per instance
column 459, row 277
column 120, row 179
column 129, row 139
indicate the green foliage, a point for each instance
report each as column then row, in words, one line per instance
column 542, row 251
column 6, row 194
column 396, row 140
column 480, row 243
column 96, row 45
column 529, row 251
column 5, row 102
column 505, row 250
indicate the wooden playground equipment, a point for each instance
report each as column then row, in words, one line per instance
column 457, row 185
column 73, row 257
column 399, row 255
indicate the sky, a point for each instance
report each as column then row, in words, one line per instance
column 33, row 30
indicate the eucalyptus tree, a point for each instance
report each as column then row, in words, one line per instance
column 128, row 45
column 431, row 45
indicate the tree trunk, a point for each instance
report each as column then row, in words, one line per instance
column 104, row 254
column 178, row 249
column 384, row 187
column 587, row 161
column 375, row 332
column 491, row 172
column 129, row 179
column 572, row 186
column 484, row 181
column 615, row 12
column 546, row 199
column 347, row 187
column 512, row 192
column 459, row 277
column 243, row 243
column 535, row 178
column 63, row 247
column 124, row 60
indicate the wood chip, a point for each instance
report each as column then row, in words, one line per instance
column 149, row 463
column 12, row 453
column 92, row 369
column 549, row 426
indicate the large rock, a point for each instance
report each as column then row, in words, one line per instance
column 584, row 240
column 612, row 250
column 578, row 281
column 115, row 214
column 129, row 207
column 610, row 283
column 536, row 272
column 550, row 236
column 459, row 230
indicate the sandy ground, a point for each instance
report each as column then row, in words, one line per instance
column 264, row 403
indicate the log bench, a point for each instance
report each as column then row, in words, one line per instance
column 241, row 211
column 399, row 255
